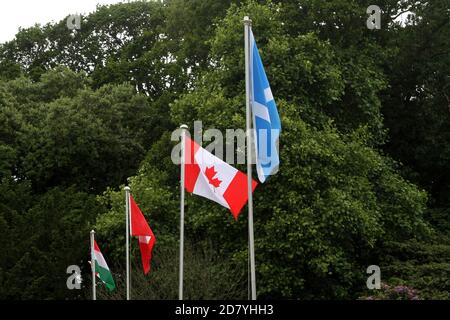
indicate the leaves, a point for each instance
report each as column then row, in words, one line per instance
column 84, row 113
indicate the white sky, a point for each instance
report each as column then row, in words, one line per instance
column 25, row 13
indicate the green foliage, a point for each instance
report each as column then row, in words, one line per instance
column 43, row 239
column 416, row 105
column 207, row 276
column 82, row 113
column 422, row 265
column 334, row 198
column 60, row 132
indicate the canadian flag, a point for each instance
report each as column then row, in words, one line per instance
column 141, row 229
column 210, row 177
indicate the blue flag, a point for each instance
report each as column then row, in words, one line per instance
column 266, row 121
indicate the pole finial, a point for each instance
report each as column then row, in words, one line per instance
column 127, row 188
column 184, row 126
column 92, row 231
column 247, row 20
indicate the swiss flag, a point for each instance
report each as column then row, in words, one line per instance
column 141, row 229
column 210, row 177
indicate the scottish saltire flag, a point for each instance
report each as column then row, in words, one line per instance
column 266, row 121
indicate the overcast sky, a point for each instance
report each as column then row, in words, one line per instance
column 25, row 13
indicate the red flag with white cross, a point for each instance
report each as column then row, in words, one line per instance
column 141, row 229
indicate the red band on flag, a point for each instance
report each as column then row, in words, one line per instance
column 192, row 170
column 139, row 226
column 236, row 195
column 96, row 246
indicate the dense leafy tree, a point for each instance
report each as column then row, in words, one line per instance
column 45, row 239
column 335, row 201
column 84, row 112
column 416, row 105
column 64, row 133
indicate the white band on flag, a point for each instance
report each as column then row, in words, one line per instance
column 261, row 111
column 144, row 239
column 268, row 94
column 100, row 260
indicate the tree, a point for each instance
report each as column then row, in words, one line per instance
column 335, row 201
column 45, row 238
column 416, row 104
column 83, row 113
column 65, row 134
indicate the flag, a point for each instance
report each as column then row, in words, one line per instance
column 141, row 229
column 209, row 177
column 266, row 121
column 101, row 268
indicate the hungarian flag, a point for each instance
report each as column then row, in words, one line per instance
column 102, row 269
column 210, row 177
column 141, row 229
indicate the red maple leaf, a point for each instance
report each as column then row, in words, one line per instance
column 210, row 173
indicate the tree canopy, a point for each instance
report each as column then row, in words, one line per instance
column 364, row 152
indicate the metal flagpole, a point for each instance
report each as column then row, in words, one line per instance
column 248, row 88
column 94, row 294
column 183, row 147
column 127, row 235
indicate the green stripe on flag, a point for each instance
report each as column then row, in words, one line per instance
column 105, row 276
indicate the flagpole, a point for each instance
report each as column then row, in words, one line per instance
column 127, row 236
column 94, row 294
column 183, row 147
column 248, row 26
